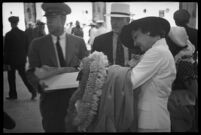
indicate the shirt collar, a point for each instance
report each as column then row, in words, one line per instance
column 62, row 36
column 161, row 41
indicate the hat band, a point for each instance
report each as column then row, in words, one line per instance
column 120, row 13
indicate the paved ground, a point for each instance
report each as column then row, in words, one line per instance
column 24, row 111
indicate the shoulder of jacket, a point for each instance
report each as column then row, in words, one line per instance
column 105, row 35
column 73, row 37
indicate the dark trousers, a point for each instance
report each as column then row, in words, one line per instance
column 53, row 108
column 12, row 83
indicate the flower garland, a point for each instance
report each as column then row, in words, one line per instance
column 87, row 106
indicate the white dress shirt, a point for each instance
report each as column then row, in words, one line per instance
column 62, row 43
column 155, row 74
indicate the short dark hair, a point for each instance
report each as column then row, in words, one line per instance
column 181, row 17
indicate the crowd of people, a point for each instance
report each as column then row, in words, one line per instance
column 160, row 62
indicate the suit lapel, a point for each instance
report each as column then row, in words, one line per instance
column 110, row 45
column 69, row 49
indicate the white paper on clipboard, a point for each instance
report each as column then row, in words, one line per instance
column 65, row 80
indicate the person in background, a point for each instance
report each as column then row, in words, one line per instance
column 39, row 30
column 50, row 55
column 77, row 30
column 92, row 33
column 69, row 29
column 153, row 74
column 182, row 100
column 100, row 28
column 29, row 31
column 182, row 18
column 15, row 54
column 109, row 43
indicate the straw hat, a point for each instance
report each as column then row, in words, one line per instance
column 120, row 10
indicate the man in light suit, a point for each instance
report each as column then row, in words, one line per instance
column 55, row 53
column 108, row 42
column 154, row 73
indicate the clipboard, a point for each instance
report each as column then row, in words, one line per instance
column 62, row 81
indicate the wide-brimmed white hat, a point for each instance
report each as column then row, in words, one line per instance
column 120, row 10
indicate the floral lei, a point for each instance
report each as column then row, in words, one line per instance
column 87, row 105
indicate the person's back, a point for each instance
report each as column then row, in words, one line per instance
column 15, row 54
column 192, row 33
column 77, row 30
column 16, row 45
column 182, row 18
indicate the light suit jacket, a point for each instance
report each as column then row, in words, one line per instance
column 42, row 52
column 155, row 74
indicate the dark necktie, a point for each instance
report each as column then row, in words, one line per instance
column 119, row 53
column 60, row 54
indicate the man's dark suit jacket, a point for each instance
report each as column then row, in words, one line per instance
column 192, row 33
column 104, row 43
column 42, row 51
column 15, row 48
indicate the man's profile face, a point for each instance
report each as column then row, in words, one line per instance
column 118, row 22
column 56, row 24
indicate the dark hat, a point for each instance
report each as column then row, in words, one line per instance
column 13, row 19
column 182, row 15
column 154, row 25
column 52, row 9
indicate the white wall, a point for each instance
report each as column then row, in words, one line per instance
column 152, row 9
column 17, row 9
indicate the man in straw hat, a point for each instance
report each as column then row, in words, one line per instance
column 15, row 54
column 109, row 43
column 154, row 73
column 50, row 55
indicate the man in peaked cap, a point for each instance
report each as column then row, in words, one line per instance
column 13, row 19
column 50, row 55
column 15, row 55
column 154, row 73
column 109, row 42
